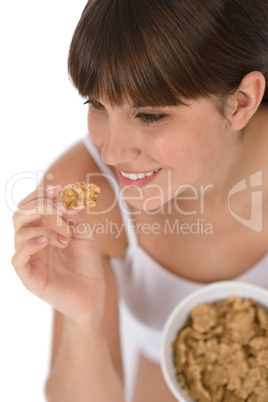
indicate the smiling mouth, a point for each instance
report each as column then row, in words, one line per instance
column 138, row 176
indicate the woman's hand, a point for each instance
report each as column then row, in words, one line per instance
column 58, row 263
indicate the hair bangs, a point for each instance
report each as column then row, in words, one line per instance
column 164, row 53
column 126, row 57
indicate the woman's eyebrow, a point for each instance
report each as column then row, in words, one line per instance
column 153, row 106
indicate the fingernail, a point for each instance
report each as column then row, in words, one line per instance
column 50, row 190
column 63, row 239
column 59, row 205
column 41, row 240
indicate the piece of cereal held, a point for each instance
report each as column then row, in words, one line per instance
column 79, row 195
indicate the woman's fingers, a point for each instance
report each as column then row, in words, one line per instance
column 57, row 224
column 46, row 211
column 49, row 192
column 38, row 233
column 38, row 206
column 53, row 221
column 32, row 271
column 20, row 219
column 22, row 257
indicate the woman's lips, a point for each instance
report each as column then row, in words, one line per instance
column 137, row 179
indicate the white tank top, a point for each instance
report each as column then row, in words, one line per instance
column 149, row 290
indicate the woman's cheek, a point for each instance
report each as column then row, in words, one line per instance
column 96, row 128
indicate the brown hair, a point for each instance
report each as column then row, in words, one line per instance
column 160, row 52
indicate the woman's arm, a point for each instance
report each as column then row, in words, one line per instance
column 110, row 323
column 68, row 275
column 86, row 363
column 83, row 370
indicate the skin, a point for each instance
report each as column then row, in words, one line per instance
column 196, row 133
column 198, row 146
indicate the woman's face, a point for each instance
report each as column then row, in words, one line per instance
column 157, row 151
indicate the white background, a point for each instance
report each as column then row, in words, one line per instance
column 41, row 116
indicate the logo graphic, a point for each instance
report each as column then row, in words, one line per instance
column 255, row 220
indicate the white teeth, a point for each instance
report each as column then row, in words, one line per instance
column 124, row 174
column 134, row 176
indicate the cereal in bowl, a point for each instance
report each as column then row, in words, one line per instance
column 221, row 354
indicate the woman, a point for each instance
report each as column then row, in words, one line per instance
column 177, row 143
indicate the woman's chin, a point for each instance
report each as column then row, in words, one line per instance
column 150, row 206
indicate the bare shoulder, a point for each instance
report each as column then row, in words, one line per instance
column 73, row 164
column 76, row 164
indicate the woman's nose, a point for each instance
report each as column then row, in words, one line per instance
column 120, row 144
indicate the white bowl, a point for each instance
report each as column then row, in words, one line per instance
column 177, row 318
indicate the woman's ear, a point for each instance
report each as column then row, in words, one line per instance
column 246, row 100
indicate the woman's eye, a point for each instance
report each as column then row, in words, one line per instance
column 149, row 118
column 93, row 104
